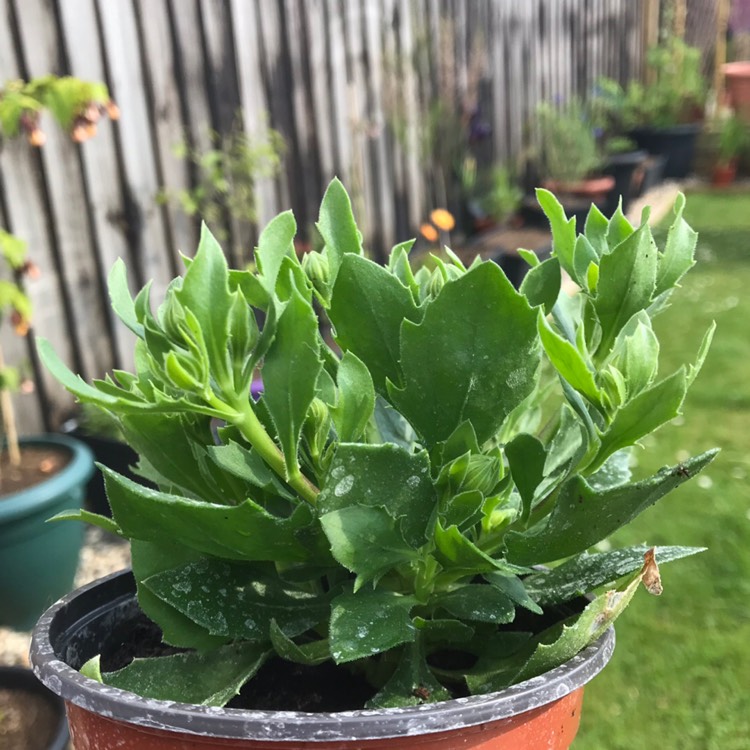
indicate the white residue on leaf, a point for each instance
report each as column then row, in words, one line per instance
column 182, row 587
column 413, row 482
column 344, row 486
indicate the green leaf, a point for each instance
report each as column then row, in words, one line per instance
column 541, row 285
column 382, row 476
column 291, row 370
column 627, row 277
column 210, row 678
column 679, row 251
column 275, row 243
column 149, row 559
column 619, row 228
column 595, row 230
column 563, row 229
column 85, row 516
column 582, row 574
column 694, row 369
column 122, row 302
column 174, row 445
column 459, row 555
column 526, row 456
column 584, row 516
column 309, row 654
column 368, row 623
column 642, row 415
column 205, row 293
column 366, row 541
column 217, row 530
column 247, row 465
column 356, row 398
column 515, row 589
column 479, row 602
column 584, row 257
column 237, row 601
column 338, row 228
column 412, row 684
column 368, row 305
column 392, row 427
column 462, row 510
column 559, row 643
column 482, row 380
column 569, row 362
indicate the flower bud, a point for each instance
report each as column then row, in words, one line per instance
column 316, row 268
column 437, row 282
column 179, row 372
column 317, row 427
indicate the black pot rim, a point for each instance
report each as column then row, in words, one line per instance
column 683, row 128
column 229, row 723
column 23, row 679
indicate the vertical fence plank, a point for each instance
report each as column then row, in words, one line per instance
column 144, row 219
column 67, row 192
column 27, row 217
column 99, row 158
column 252, row 95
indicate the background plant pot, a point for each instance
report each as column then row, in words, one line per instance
column 112, row 453
column 622, row 168
column 542, row 712
column 38, row 560
column 724, row 174
column 675, row 143
column 737, row 83
column 594, row 190
column 39, row 705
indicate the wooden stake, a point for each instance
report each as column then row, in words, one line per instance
column 720, row 55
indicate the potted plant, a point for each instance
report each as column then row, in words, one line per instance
column 733, row 142
column 664, row 117
column 40, row 475
column 569, row 158
column 364, row 540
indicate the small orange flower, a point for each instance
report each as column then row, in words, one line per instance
column 37, row 137
column 443, row 219
column 429, row 232
column 19, row 323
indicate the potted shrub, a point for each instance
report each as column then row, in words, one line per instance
column 569, row 158
column 733, row 142
column 664, row 117
column 364, row 540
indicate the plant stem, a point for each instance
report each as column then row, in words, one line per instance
column 9, row 421
column 253, row 431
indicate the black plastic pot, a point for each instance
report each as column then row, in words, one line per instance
column 675, row 143
column 112, row 453
column 623, row 167
column 18, row 678
column 74, row 629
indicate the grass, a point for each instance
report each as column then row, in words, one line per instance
column 679, row 676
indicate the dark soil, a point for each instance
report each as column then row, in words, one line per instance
column 37, row 464
column 27, row 721
column 283, row 686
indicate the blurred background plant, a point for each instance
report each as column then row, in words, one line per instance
column 452, row 126
column 567, row 150
column 676, row 93
column 734, row 139
column 76, row 105
column 15, row 307
column 224, row 194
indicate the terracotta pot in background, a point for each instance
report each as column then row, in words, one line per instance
column 595, row 189
column 737, row 83
column 540, row 713
column 723, row 174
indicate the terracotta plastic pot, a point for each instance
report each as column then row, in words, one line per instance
column 595, row 189
column 38, row 560
column 540, row 713
column 737, row 82
column 724, row 174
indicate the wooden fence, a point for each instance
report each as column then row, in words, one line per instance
column 315, row 70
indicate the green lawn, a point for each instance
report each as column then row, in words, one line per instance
column 680, row 676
